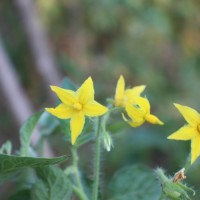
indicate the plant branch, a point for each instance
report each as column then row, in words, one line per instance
column 97, row 161
column 79, row 189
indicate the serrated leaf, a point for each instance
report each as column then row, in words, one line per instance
column 26, row 133
column 134, row 182
column 10, row 163
column 53, row 184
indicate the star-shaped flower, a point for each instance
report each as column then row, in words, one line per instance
column 122, row 96
column 139, row 112
column 77, row 105
column 190, row 131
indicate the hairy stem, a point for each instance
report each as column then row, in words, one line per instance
column 188, row 163
column 79, row 189
column 97, row 161
column 160, row 173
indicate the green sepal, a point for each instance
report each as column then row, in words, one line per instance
column 172, row 190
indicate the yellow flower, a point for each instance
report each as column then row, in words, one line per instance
column 191, row 131
column 139, row 112
column 77, row 105
column 123, row 96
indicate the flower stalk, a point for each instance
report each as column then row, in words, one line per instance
column 97, row 160
column 79, row 190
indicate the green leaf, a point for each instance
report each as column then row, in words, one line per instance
column 26, row 133
column 134, row 182
column 53, row 184
column 21, row 195
column 68, row 84
column 47, row 124
column 7, row 177
column 10, row 163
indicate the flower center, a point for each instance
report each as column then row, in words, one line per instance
column 198, row 128
column 77, row 106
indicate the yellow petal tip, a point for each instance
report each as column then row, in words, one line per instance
column 169, row 137
column 161, row 123
column 153, row 119
column 105, row 110
column 48, row 109
column 177, row 105
column 53, row 87
column 172, row 137
column 89, row 79
column 74, row 138
column 143, row 86
column 192, row 161
column 73, row 142
column 121, row 78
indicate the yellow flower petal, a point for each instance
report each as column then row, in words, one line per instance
column 133, row 123
column 195, row 148
column 184, row 133
column 136, row 123
column 142, row 103
column 61, row 111
column 135, row 91
column 76, row 125
column 94, row 108
column 86, row 91
column 189, row 114
column 119, row 92
column 153, row 119
column 68, row 97
column 135, row 113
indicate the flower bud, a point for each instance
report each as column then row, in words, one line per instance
column 107, row 141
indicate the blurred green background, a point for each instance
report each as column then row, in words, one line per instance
column 154, row 42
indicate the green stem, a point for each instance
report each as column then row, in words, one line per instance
column 97, row 162
column 101, row 126
column 78, row 192
column 79, row 189
column 107, row 115
column 162, row 196
column 160, row 173
column 188, row 163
